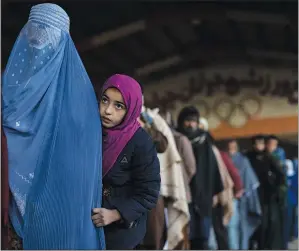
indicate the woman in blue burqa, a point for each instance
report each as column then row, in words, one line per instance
column 52, row 125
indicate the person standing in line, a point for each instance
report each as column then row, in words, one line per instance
column 189, row 169
column 247, row 209
column 131, row 169
column 206, row 182
column 273, row 148
column 292, row 178
column 155, row 236
column 172, row 185
column 234, row 174
column 223, row 202
column 272, row 179
column 53, row 129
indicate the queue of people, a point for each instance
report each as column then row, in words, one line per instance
column 237, row 199
column 81, row 171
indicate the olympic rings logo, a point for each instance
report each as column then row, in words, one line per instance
column 237, row 114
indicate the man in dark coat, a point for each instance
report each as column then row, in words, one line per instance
column 273, row 148
column 272, row 179
column 205, row 183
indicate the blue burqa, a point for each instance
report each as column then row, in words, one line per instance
column 250, row 211
column 53, row 130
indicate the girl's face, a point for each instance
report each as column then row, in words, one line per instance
column 112, row 108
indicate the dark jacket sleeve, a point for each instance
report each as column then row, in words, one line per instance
column 233, row 172
column 218, row 185
column 146, row 182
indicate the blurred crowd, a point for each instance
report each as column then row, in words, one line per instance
column 214, row 198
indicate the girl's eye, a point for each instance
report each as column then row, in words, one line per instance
column 119, row 106
column 104, row 100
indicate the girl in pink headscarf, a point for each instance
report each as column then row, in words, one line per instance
column 131, row 170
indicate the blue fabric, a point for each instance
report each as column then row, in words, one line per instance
column 295, row 229
column 212, row 240
column 200, row 226
column 250, row 211
column 294, row 183
column 280, row 153
column 53, row 130
column 234, row 227
column 295, row 163
column 147, row 118
column 292, row 195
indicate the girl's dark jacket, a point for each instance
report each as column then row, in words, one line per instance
column 132, row 187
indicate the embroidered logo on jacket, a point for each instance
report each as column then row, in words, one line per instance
column 124, row 160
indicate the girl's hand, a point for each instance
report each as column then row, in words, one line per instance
column 103, row 217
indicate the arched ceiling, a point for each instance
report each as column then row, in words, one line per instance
column 151, row 40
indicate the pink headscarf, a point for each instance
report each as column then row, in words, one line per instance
column 117, row 137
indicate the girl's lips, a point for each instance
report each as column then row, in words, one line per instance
column 106, row 119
